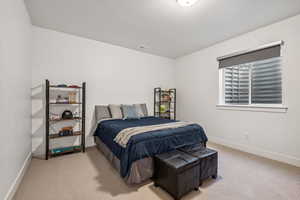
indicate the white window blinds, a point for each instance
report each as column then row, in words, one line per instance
column 237, row 84
column 266, row 81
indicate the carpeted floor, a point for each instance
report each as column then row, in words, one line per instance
column 89, row 176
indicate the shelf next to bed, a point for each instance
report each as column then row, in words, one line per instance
column 76, row 98
column 165, row 103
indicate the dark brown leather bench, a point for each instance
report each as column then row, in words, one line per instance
column 208, row 161
column 176, row 172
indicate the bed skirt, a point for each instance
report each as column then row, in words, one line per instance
column 140, row 170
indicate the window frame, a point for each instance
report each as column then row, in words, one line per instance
column 252, row 107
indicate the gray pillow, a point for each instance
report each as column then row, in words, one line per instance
column 102, row 112
column 115, row 110
column 129, row 112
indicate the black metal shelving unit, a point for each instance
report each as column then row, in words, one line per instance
column 165, row 103
column 81, row 91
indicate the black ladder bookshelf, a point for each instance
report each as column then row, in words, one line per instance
column 80, row 92
column 165, row 103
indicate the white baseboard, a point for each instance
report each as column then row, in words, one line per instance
column 257, row 151
column 14, row 187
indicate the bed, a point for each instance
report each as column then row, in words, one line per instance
column 133, row 159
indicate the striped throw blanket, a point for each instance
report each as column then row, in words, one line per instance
column 124, row 136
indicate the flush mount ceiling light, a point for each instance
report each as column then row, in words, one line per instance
column 186, row 3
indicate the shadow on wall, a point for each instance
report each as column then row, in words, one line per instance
column 94, row 124
column 39, row 121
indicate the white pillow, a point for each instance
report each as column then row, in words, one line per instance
column 115, row 110
column 139, row 110
column 143, row 107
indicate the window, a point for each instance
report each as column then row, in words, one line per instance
column 252, row 78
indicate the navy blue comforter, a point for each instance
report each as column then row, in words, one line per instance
column 146, row 144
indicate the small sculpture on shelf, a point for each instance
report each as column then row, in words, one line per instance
column 72, row 97
column 65, row 131
column 61, row 85
column 66, row 86
column 166, row 97
column 73, row 86
column 60, row 99
column 54, row 116
column 163, row 108
column 67, row 114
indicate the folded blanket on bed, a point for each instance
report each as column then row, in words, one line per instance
column 124, row 136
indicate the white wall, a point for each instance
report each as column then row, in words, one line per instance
column 15, row 103
column 113, row 74
column 119, row 75
column 275, row 135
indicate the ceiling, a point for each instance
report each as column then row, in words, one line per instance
column 159, row 27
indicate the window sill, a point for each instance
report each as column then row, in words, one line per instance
column 254, row 108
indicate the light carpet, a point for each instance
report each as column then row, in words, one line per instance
column 89, row 176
